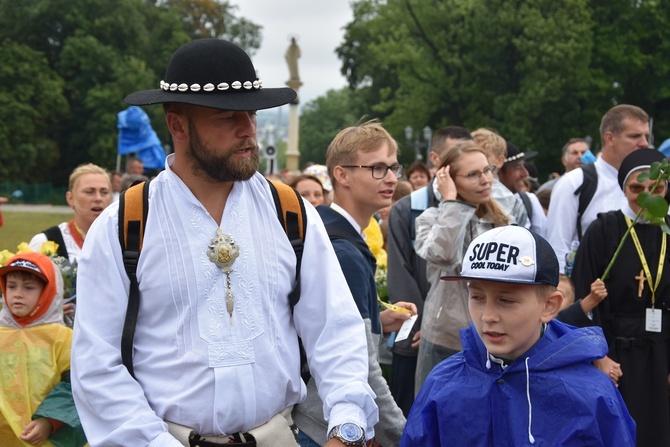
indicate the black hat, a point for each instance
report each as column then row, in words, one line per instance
column 515, row 154
column 636, row 160
column 213, row 73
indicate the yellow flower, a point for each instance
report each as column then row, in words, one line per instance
column 5, row 255
column 49, row 248
column 375, row 240
column 23, row 247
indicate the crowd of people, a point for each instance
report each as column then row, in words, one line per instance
column 499, row 331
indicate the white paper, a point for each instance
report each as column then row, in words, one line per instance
column 404, row 331
column 653, row 320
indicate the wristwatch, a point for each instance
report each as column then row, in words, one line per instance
column 348, row 433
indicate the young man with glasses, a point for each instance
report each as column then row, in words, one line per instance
column 363, row 166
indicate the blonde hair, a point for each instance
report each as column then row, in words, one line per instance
column 491, row 207
column 544, row 290
column 490, row 141
column 88, row 168
column 365, row 138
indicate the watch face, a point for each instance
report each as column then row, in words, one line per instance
column 351, row 432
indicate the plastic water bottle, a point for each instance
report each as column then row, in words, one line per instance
column 570, row 257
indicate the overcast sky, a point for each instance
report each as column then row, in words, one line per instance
column 318, row 28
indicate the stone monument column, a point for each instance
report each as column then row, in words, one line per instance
column 292, row 152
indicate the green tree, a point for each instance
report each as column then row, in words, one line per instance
column 31, row 104
column 538, row 71
column 101, row 51
column 511, row 65
column 212, row 18
column 322, row 118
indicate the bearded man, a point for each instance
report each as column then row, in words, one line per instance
column 216, row 357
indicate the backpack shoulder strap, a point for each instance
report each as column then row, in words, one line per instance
column 133, row 211
column 526, row 203
column 585, row 192
column 293, row 218
column 54, row 234
column 336, row 232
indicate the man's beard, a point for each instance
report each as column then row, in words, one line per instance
column 222, row 167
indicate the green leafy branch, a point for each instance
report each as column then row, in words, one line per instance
column 653, row 208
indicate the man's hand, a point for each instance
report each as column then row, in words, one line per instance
column 37, row 431
column 335, row 443
column 609, row 367
column 392, row 321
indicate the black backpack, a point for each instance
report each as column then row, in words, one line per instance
column 585, row 192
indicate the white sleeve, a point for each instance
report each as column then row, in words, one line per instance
column 36, row 242
column 333, row 333
column 99, row 379
column 561, row 227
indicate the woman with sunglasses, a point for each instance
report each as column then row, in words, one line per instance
column 466, row 210
column 635, row 313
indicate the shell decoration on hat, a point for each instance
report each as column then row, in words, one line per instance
column 209, row 87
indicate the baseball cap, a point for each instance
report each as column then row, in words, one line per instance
column 21, row 263
column 510, row 254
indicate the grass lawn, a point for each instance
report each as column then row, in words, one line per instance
column 22, row 226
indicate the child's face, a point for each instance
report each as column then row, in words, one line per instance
column 23, row 292
column 508, row 317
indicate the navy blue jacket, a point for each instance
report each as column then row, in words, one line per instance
column 357, row 262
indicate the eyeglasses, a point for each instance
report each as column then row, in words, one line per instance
column 379, row 171
column 474, row 176
column 637, row 188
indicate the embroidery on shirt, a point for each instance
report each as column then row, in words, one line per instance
column 229, row 340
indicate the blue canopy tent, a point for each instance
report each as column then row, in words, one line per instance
column 137, row 136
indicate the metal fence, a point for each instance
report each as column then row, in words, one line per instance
column 33, row 193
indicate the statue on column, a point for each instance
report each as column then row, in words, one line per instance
column 292, row 55
column 292, row 152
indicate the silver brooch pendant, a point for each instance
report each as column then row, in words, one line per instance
column 223, row 251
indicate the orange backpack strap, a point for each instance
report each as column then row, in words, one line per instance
column 133, row 210
column 290, row 210
column 293, row 218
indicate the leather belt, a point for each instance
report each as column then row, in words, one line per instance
column 237, row 439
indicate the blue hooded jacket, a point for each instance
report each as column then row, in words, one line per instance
column 550, row 396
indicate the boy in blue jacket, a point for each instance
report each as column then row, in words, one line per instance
column 522, row 378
